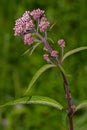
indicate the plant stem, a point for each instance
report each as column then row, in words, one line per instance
column 68, row 97
column 44, row 41
column 66, row 86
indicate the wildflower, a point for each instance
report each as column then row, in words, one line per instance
column 61, row 42
column 29, row 25
column 37, row 13
column 43, row 18
column 44, row 25
column 19, row 27
column 54, row 53
column 26, row 16
column 28, row 39
column 23, row 24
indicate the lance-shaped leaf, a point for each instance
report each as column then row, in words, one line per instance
column 32, row 49
column 37, row 74
column 36, row 100
column 81, row 106
column 73, row 52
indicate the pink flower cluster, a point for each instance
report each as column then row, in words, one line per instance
column 26, row 24
column 37, row 13
column 44, row 24
column 28, row 39
column 31, row 26
column 23, row 24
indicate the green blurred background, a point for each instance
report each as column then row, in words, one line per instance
column 16, row 71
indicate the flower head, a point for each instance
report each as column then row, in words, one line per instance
column 29, row 25
column 19, row 26
column 37, row 13
column 23, row 24
column 61, row 42
column 44, row 25
column 54, row 53
column 26, row 16
column 28, row 39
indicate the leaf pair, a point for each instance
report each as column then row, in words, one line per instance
column 46, row 100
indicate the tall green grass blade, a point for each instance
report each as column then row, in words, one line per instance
column 73, row 52
column 36, row 76
column 35, row 100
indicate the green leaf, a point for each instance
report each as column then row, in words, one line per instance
column 35, row 100
column 51, row 40
column 52, row 26
column 34, row 47
column 73, row 52
column 62, row 70
column 36, row 76
column 81, row 106
column 26, row 52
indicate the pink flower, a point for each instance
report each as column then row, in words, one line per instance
column 19, row 26
column 23, row 24
column 26, row 16
column 43, row 18
column 44, row 25
column 54, row 53
column 46, row 57
column 61, row 42
column 37, row 13
column 28, row 39
column 29, row 25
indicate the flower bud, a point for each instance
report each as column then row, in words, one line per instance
column 61, row 43
column 54, row 53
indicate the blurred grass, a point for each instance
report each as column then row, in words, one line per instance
column 16, row 71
